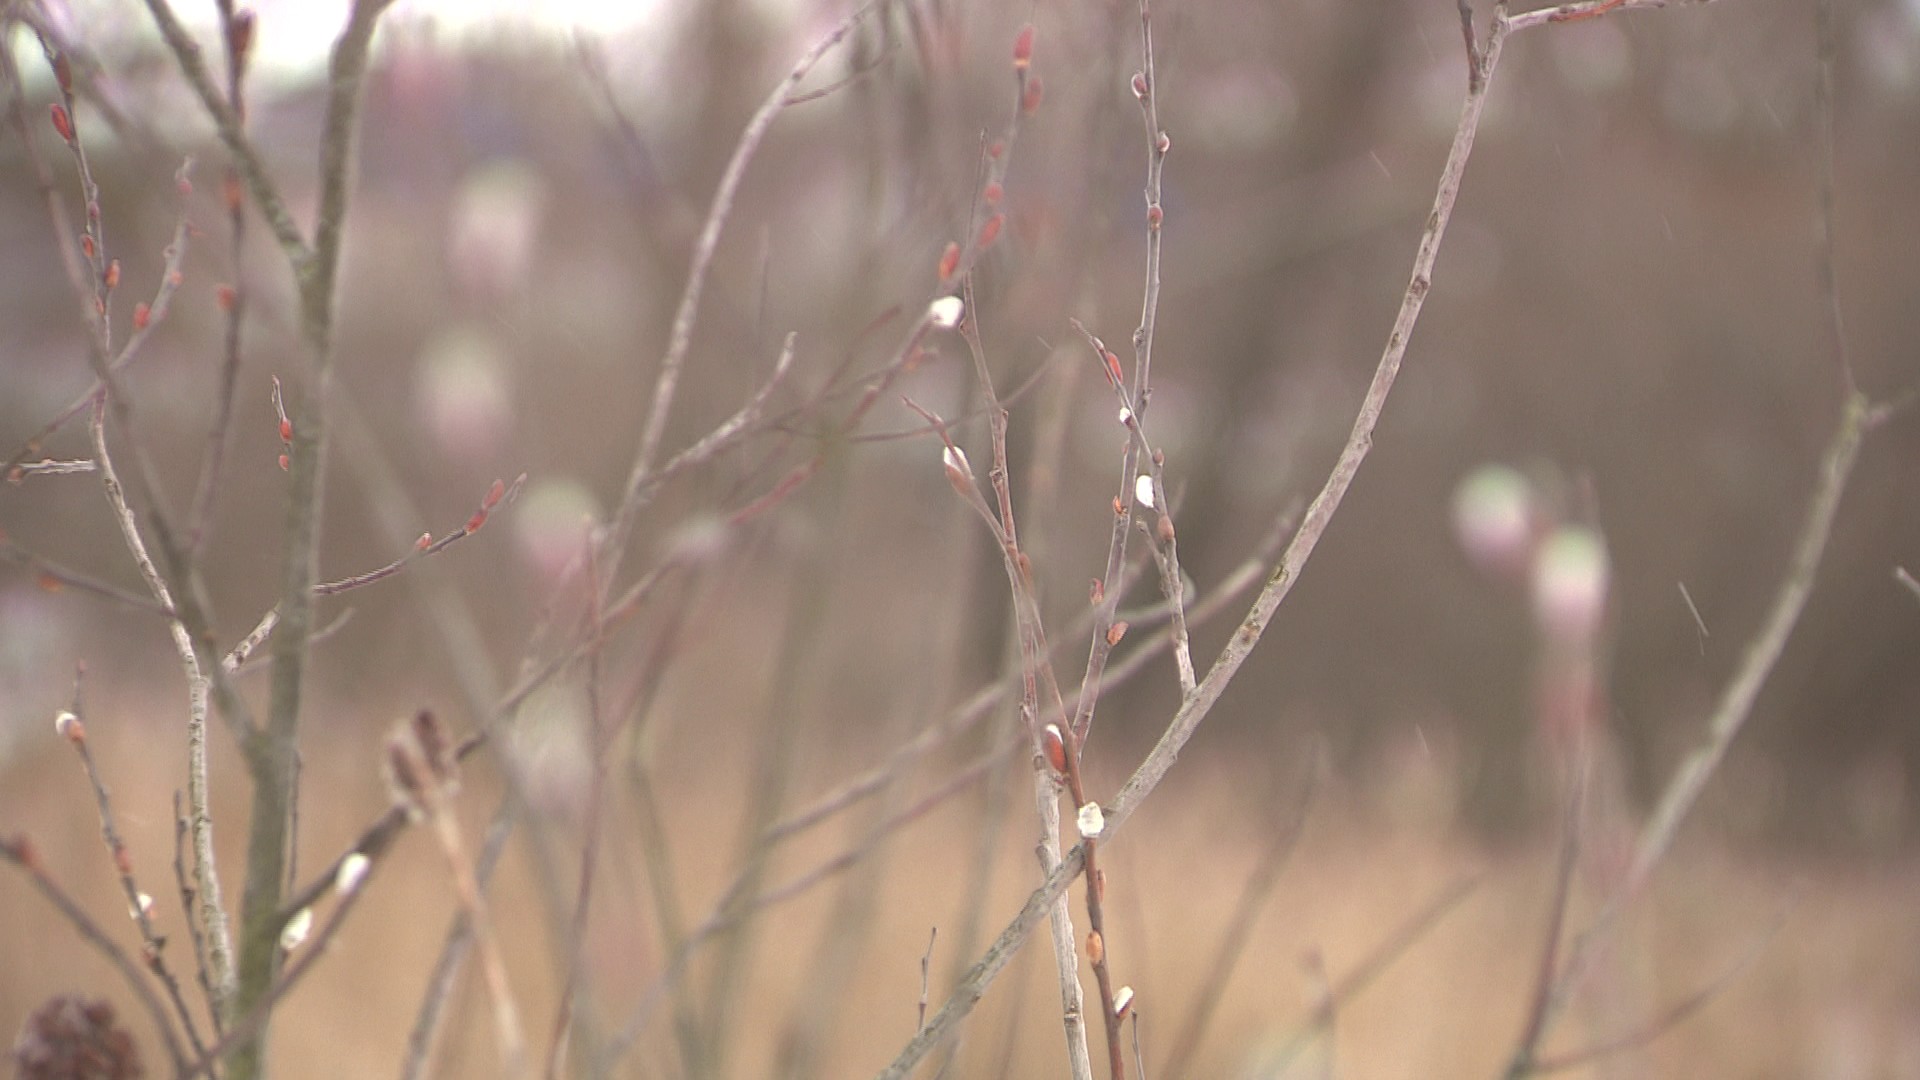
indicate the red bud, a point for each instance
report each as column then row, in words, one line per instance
column 63, row 73
column 478, row 519
column 1030, row 101
column 62, row 123
column 949, row 260
column 112, row 276
column 286, row 431
column 990, row 231
column 1054, row 748
column 1023, row 47
column 142, row 315
column 224, row 295
column 494, row 494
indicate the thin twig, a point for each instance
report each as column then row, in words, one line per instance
column 212, row 914
column 1318, row 514
column 680, row 338
column 1283, row 838
column 20, row 851
column 139, row 904
column 1673, row 1015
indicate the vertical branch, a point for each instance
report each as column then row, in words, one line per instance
column 273, row 765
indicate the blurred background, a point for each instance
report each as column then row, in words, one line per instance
column 1626, row 312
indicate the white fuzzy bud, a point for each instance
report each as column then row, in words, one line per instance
column 295, row 932
column 1143, row 490
column 1091, row 820
column 353, row 871
column 1122, row 1000
column 945, row 312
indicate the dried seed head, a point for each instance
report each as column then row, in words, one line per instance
column 71, row 1037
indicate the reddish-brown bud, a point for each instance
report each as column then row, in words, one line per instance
column 231, row 192
column 494, row 495
column 990, row 231
column 283, row 463
column 1164, row 529
column 23, row 851
column 1023, row 48
column 474, row 523
column 1154, row 216
column 1030, row 100
column 1096, row 947
column 62, row 123
column 93, row 210
column 1118, row 506
column 1113, row 369
column 174, row 279
column 425, row 542
column 1115, row 632
column 1096, row 592
column 49, row 583
column 1140, row 85
column 1163, row 143
column 1054, row 747
column 142, row 315
column 240, row 36
column 949, row 260
column 224, row 295
column 122, row 859
column 993, row 193
column 996, row 148
column 63, row 73
column 286, row 430
column 86, row 246
column 112, row 276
